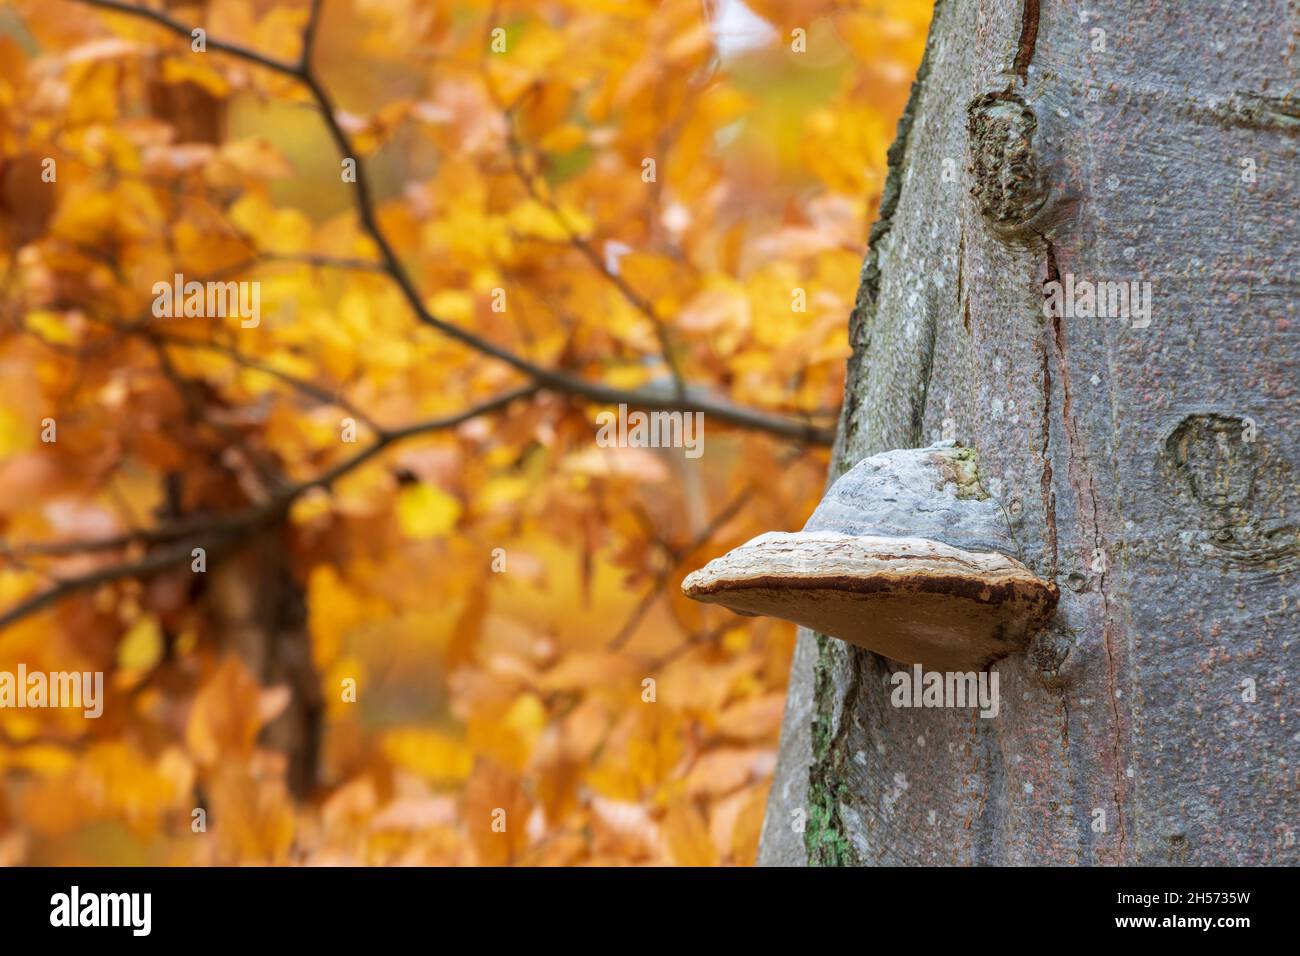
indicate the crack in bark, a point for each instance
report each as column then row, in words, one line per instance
column 985, row 851
column 927, row 373
column 1045, row 481
column 961, row 261
column 1122, row 836
column 1028, row 40
column 1079, row 475
column 980, row 794
column 963, row 301
column 1069, row 767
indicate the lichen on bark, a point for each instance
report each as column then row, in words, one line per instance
column 825, row 836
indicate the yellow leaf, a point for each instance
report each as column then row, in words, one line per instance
column 46, row 760
column 15, row 584
column 310, row 507
column 564, row 139
column 537, row 220
column 247, row 158
column 142, row 647
column 255, row 810
column 425, row 512
column 688, row 836
column 16, row 432
column 432, row 755
column 51, row 326
column 719, row 772
column 453, row 305
column 503, row 490
column 194, row 70
column 509, row 736
column 496, row 811
column 334, row 609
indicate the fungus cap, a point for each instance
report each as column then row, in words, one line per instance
column 907, row 555
column 910, row 599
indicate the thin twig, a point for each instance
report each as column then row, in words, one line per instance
column 217, row 531
column 549, row 378
column 211, row 43
column 323, row 261
column 588, row 251
column 319, row 392
column 309, row 36
column 655, row 591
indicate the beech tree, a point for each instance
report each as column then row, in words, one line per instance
column 1051, row 152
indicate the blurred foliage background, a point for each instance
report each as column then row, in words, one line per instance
column 498, row 590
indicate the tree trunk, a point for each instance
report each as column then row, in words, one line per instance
column 1154, row 466
column 260, row 611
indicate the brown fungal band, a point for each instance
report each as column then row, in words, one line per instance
column 912, row 600
column 881, row 578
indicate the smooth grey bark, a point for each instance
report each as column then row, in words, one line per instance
column 1155, row 468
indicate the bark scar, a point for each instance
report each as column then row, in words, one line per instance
column 1008, row 180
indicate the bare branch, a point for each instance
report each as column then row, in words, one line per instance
column 217, row 532
column 559, row 381
column 180, row 29
column 323, row 261
column 151, row 563
column 385, row 439
column 318, row 392
column 309, row 36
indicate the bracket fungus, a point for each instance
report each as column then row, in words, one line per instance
column 906, row 556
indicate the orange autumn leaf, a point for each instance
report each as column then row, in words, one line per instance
column 229, row 711
column 496, row 815
column 688, row 836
